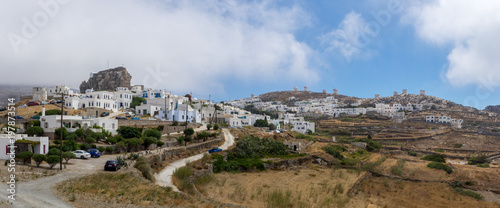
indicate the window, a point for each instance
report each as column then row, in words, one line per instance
column 46, row 125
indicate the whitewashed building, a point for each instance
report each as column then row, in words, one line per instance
column 41, row 145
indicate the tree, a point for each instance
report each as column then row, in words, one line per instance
column 272, row 127
column 121, row 146
column 39, row 158
column 152, row 133
column 203, row 135
column 261, row 123
column 34, row 130
column 53, row 160
column 25, row 156
column 129, row 132
column 67, row 156
column 148, row 141
column 187, row 139
column 180, row 139
column 57, row 133
column 70, row 145
column 111, row 140
column 309, row 132
column 216, row 127
column 98, row 136
column 209, row 126
column 160, row 143
column 72, row 136
column 90, row 140
column 188, row 131
column 133, row 143
column 54, row 151
column 136, row 101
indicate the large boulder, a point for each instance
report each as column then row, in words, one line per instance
column 108, row 80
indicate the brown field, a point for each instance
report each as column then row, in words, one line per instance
column 383, row 192
column 28, row 112
column 313, row 187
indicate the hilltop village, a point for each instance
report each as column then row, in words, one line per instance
column 325, row 149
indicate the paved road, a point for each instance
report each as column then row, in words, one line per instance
column 164, row 178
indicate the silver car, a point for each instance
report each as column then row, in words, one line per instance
column 81, row 154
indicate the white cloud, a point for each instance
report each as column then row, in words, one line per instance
column 350, row 38
column 189, row 45
column 471, row 28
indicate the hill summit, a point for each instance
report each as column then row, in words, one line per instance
column 108, row 79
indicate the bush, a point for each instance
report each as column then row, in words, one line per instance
column 70, row 145
column 434, row 158
column 412, row 153
column 255, row 147
column 25, row 156
column 57, row 133
column 370, row 144
column 160, row 128
column 85, row 146
column 332, row 151
column 35, row 123
column 54, row 151
column 469, row 193
column 349, row 162
column 440, row 166
column 39, row 158
column 209, row 126
column 160, row 143
column 180, row 140
column 148, row 141
column 51, row 112
column 129, row 132
column 484, row 165
column 35, row 130
column 142, row 165
column 398, row 168
column 182, row 173
column 101, row 149
column 152, row 133
column 67, row 156
column 216, row 127
column 90, row 140
column 110, row 149
column 111, row 140
column 175, row 123
column 53, row 160
column 479, row 159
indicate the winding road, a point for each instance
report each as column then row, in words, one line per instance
column 164, row 178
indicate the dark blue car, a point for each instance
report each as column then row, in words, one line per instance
column 215, row 149
column 94, row 153
column 18, row 117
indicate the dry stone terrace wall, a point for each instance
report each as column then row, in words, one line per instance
column 168, row 128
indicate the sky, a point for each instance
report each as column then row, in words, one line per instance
column 230, row 49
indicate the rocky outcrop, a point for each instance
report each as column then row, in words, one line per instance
column 108, row 79
column 493, row 108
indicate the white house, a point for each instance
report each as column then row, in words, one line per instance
column 303, row 126
column 41, row 145
column 39, row 93
column 430, row 119
column 146, row 109
column 72, row 123
column 53, row 91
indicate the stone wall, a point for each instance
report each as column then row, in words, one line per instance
column 168, row 128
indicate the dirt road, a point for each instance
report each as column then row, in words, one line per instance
column 164, row 178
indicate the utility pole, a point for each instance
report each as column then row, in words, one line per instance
column 165, row 109
column 61, row 130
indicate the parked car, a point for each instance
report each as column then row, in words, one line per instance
column 136, row 118
column 129, row 114
column 18, row 117
column 112, row 165
column 44, row 103
column 59, row 101
column 81, row 154
column 32, row 103
column 22, row 106
column 121, row 117
column 36, row 117
column 215, row 149
column 94, row 153
column 104, row 114
column 52, row 101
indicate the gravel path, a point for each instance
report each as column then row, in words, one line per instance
column 164, row 178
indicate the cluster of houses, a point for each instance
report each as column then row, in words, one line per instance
column 455, row 123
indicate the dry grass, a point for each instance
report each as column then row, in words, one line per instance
column 314, row 187
column 384, row 192
column 120, row 190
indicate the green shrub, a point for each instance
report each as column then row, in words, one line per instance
column 371, row 145
column 67, row 156
column 255, row 147
column 469, row 193
column 39, row 158
column 182, row 173
column 111, row 140
column 484, row 165
column 90, row 140
column 53, row 160
column 51, row 112
column 398, row 168
column 85, row 146
column 54, row 151
column 332, row 151
column 152, row 133
column 412, row 153
column 440, row 166
column 349, row 162
column 469, row 183
column 25, row 156
column 101, row 149
column 216, row 127
column 34, row 130
column 35, row 122
column 110, row 149
column 160, row 143
column 434, row 158
column 70, row 145
column 142, row 165
column 479, row 159
column 129, row 132
column 209, row 126
column 303, row 136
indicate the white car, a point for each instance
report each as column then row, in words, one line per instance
column 81, row 154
